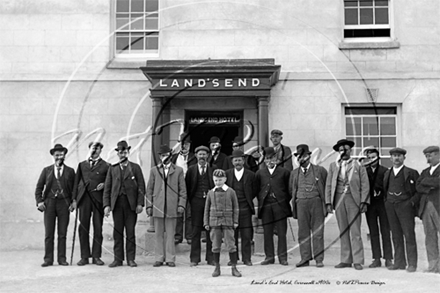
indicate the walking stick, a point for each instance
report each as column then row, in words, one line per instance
column 74, row 234
column 291, row 230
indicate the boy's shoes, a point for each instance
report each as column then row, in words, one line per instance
column 216, row 272
column 235, row 272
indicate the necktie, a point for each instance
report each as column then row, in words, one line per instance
column 219, row 189
column 305, row 171
column 203, row 169
column 165, row 171
column 343, row 169
column 58, row 172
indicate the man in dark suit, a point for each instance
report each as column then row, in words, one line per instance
column 273, row 206
column 249, row 161
column 198, row 182
column 242, row 181
column 53, row 195
column 307, row 187
column 184, row 159
column 216, row 157
column 124, row 192
column 428, row 185
column 376, row 213
column 87, row 196
column 284, row 153
column 401, row 200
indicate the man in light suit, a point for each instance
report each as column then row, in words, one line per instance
column 307, row 187
column 87, row 196
column 273, row 206
column 428, row 185
column 166, row 200
column 124, row 192
column 347, row 191
column 284, row 153
column 53, row 195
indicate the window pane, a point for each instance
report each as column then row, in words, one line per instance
column 151, row 24
column 371, row 126
column 122, row 5
column 353, row 126
column 137, row 41
column 350, row 3
column 122, row 24
column 122, row 43
column 371, row 141
column 357, row 141
column 370, row 111
column 366, row 3
column 351, row 16
column 381, row 15
column 366, row 16
column 152, row 5
column 388, row 142
column 381, row 3
column 152, row 43
column 388, row 126
column 137, row 22
column 137, row 5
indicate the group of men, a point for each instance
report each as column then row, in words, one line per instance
column 178, row 185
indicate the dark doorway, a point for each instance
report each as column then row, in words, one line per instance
column 202, row 125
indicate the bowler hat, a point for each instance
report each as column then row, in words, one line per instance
column 201, row 148
column 269, row 152
column 122, row 145
column 184, row 137
column 237, row 154
column 276, row 132
column 214, row 139
column 398, row 151
column 238, row 140
column 343, row 142
column 431, row 149
column 219, row 173
column 96, row 143
column 58, row 147
column 163, row 149
column 302, row 149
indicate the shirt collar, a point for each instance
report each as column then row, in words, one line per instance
column 56, row 167
column 239, row 172
column 307, row 168
column 167, row 166
column 397, row 170
column 435, row 167
column 224, row 187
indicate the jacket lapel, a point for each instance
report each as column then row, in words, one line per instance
column 405, row 173
column 128, row 171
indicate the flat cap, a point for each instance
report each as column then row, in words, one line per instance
column 219, row 173
column 214, row 139
column 398, row 151
column 276, row 132
column 201, row 148
column 431, row 149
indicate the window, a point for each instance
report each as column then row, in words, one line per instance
column 137, row 27
column 367, row 19
column 368, row 126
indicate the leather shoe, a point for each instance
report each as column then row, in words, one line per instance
column 83, row 262
column 358, row 266
column 411, row 269
column 319, row 264
column 396, row 267
column 63, row 263
column 157, row 264
column 46, row 264
column 177, row 241
column 115, row 263
column 229, row 263
column 303, row 263
column 343, row 265
column 248, row 263
column 97, row 261
column 375, row 264
column 132, row 263
column 388, row 263
column 284, row 262
column 193, row 264
column 171, row 264
column 210, row 263
column 267, row 262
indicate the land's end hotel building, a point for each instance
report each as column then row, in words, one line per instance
column 319, row 70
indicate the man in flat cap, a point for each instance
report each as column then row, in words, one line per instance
column 242, row 181
column 273, row 206
column 401, row 200
column 249, row 161
column 87, row 196
column 284, row 153
column 347, row 192
column 199, row 181
column 216, row 157
column 428, row 186
column 376, row 213
column 53, row 195
column 307, row 188
column 184, row 159
column 166, row 201
column 124, row 192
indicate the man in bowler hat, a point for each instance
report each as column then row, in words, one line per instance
column 401, row 200
column 216, row 157
column 284, row 153
column 347, row 192
column 307, row 187
column 273, row 206
column 87, row 197
column 166, row 201
column 199, row 181
column 124, row 192
column 428, row 186
column 376, row 213
column 249, row 161
column 53, row 195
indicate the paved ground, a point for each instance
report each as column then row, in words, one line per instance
column 20, row 271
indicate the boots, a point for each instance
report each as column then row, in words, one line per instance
column 216, row 272
column 233, row 257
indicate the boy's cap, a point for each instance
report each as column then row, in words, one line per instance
column 219, row 173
